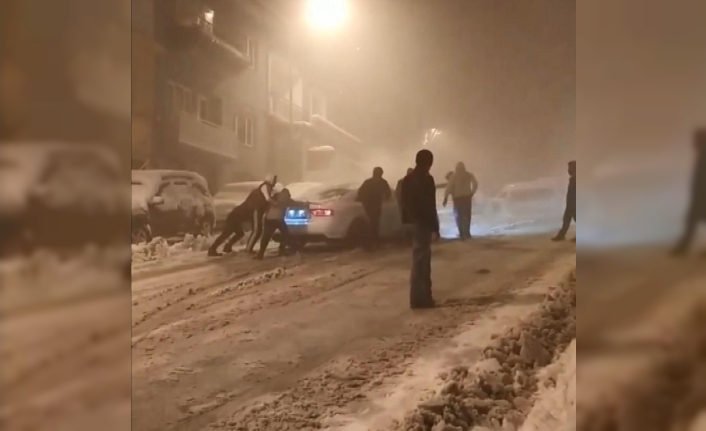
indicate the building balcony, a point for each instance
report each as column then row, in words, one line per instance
column 282, row 108
column 191, row 30
column 208, row 137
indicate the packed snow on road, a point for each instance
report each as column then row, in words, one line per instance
column 326, row 339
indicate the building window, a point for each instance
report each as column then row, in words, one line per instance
column 246, row 130
column 181, row 99
column 211, row 110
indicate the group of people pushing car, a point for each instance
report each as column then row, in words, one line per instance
column 264, row 210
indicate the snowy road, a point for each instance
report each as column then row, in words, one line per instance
column 320, row 335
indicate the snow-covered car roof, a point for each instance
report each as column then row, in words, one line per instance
column 152, row 178
column 242, row 187
column 321, row 187
column 300, row 188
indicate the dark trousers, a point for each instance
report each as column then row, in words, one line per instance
column 569, row 214
column 374, row 216
column 463, row 206
column 269, row 229
column 692, row 220
column 232, row 229
column 420, row 277
column 257, row 229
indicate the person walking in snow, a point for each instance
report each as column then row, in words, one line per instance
column 259, row 199
column 462, row 185
column 419, row 210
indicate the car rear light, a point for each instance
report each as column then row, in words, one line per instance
column 321, row 212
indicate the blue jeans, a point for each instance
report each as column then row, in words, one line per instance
column 420, row 277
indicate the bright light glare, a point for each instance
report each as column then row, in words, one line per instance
column 326, row 14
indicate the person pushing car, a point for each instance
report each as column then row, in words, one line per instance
column 259, row 199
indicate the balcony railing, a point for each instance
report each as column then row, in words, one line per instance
column 281, row 108
column 207, row 137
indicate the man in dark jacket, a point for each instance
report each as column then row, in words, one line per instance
column 373, row 194
column 570, row 211
column 697, row 208
column 233, row 229
column 419, row 210
column 259, row 199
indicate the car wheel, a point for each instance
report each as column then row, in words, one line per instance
column 357, row 233
column 141, row 234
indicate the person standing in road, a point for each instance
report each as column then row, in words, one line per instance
column 570, row 211
column 259, row 199
column 462, row 185
column 697, row 208
column 419, row 210
column 373, row 194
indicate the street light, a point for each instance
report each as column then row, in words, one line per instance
column 326, row 14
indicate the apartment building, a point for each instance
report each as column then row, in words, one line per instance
column 216, row 91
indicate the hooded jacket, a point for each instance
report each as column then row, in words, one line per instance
column 462, row 183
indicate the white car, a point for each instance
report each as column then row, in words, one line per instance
column 331, row 214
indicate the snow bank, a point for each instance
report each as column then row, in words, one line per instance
column 159, row 248
column 555, row 406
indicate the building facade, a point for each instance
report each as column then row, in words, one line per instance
column 215, row 91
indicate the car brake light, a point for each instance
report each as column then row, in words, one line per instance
column 321, row 212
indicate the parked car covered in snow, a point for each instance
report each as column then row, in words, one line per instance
column 169, row 203
column 331, row 214
column 61, row 195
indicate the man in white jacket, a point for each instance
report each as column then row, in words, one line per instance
column 461, row 186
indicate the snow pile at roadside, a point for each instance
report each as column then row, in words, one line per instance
column 555, row 405
column 159, row 248
column 498, row 392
